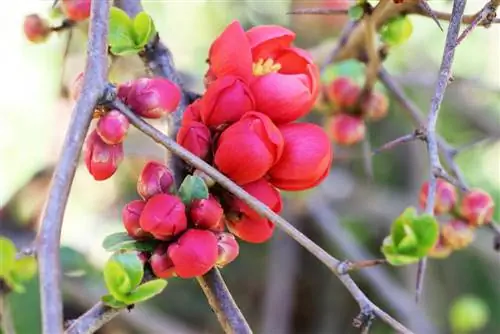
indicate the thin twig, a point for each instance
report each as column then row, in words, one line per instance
column 52, row 218
column 222, row 303
column 398, row 141
column 424, row 5
column 93, row 319
column 366, row 147
column 432, row 141
column 344, row 37
column 319, row 11
column 332, row 263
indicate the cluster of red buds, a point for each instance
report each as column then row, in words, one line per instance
column 192, row 237
column 38, row 29
column 457, row 231
column 349, row 111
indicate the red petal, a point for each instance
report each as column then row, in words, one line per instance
column 293, row 60
column 265, row 40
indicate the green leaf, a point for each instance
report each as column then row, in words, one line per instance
column 121, row 32
column 426, row 229
column 14, row 283
column 396, row 31
column 144, row 29
column 146, row 291
column 398, row 231
column 112, row 302
column 24, row 269
column 356, row 12
column 114, row 241
column 116, row 279
column 193, row 187
column 132, row 265
column 393, row 257
column 7, row 256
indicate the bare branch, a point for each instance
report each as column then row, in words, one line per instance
column 93, row 319
column 416, row 135
column 319, row 11
column 51, row 223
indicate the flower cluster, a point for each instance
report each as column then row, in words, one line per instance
column 149, row 98
column 475, row 209
column 347, row 124
column 191, row 237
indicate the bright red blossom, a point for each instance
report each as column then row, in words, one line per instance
column 155, row 178
column 102, row 160
column 251, row 230
column 477, row 207
column 264, row 192
column 195, row 137
column 192, row 112
column 163, row 216
column 130, row 218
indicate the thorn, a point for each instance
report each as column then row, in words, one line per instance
column 422, row 266
column 428, row 10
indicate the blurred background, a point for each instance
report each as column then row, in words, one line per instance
column 279, row 287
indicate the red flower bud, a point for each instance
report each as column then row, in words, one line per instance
column 343, row 92
column 254, row 140
column 346, row 129
column 195, row 137
column 306, row 159
column 376, row 106
column 153, row 97
column 440, row 250
column 446, row 196
column 457, row 234
column 36, row 29
column 123, row 89
column 194, row 254
column 161, row 263
column 112, row 127
column 251, row 230
column 101, row 159
column 155, row 178
column 192, row 112
column 228, row 249
column 130, row 218
column 477, row 207
column 76, row 87
column 225, row 101
column 76, row 10
column 144, row 257
column 264, row 192
column 163, row 216
column 206, row 213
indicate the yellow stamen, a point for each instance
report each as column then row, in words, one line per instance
column 262, row 67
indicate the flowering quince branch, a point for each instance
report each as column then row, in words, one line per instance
column 93, row 319
column 52, row 218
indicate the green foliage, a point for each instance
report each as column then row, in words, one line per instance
column 129, row 36
column 411, row 238
column 356, row 12
column 396, row 31
column 123, row 274
column 12, row 270
column 193, row 187
column 468, row 314
column 122, row 241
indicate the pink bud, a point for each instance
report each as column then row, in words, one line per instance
column 101, row 159
column 130, row 218
column 161, row 264
column 375, row 107
column 36, row 29
column 195, row 137
column 346, row 129
column 112, row 127
column 153, row 97
column 446, row 196
column 155, row 178
column 343, row 92
column 194, row 254
column 228, row 249
column 163, row 216
column 457, row 234
column 477, row 207
column 251, row 230
column 206, row 213
column 76, row 10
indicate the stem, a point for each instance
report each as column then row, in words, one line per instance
column 7, row 325
column 52, row 218
column 93, row 319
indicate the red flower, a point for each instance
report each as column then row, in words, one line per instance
column 247, row 149
column 36, row 29
column 102, row 160
column 151, row 97
column 195, row 137
column 477, row 207
column 228, row 249
column 130, row 218
column 284, row 81
column 306, row 159
column 194, row 254
column 206, row 213
column 446, row 196
column 264, row 192
column 112, row 127
column 251, row 230
column 76, row 10
column 346, row 129
column 161, row 263
column 192, row 112
column 225, row 101
column 155, row 178
column 163, row 216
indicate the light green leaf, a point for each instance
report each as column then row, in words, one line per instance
column 193, row 187
column 7, row 256
column 116, row 279
column 24, row 269
column 14, row 284
column 112, row 302
column 114, row 241
column 121, row 31
column 398, row 231
column 132, row 265
column 426, row 229
column 146, row 291
column 393, row 257
column 144, row 29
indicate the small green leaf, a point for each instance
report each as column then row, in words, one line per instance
column 144, row 29
column 426, row 229
column 24, row 269
column 114, row 241
column 112, row 302
column 116, row 279
column 121, row 32
column 356, row 12
column 132, row 265
column 7, row 256
column 398, row 231
column 14, row 283
column 392, row 255
column 146, row 291
column 193, row 187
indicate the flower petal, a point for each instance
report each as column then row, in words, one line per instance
column 293, row 60
column 265, row 40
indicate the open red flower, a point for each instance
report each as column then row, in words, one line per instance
column 282, row 78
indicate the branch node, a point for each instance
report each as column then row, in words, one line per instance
column 364, row 319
